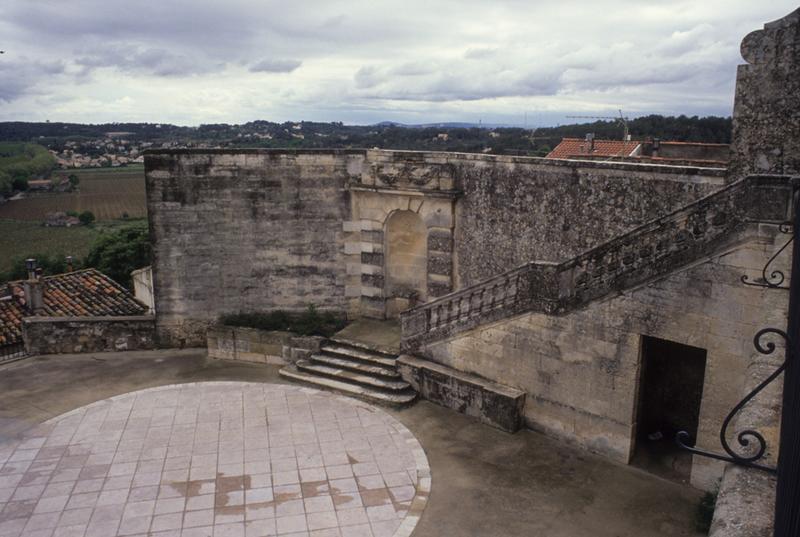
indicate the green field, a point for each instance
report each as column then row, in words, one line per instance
column 19, row 239
column 109, row 193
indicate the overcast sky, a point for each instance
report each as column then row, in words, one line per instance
column 414, row 61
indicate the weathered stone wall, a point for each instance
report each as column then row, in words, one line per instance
column 260, row 346
column 263, row 229
column 493, row 404
column 766, row 123
column 244, row 231
column 247, row 344
column 518, row 210
column 746, row 501
column 580, row 370
column 64, row 335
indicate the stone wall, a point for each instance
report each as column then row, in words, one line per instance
column 581, row 370
column 64, row 335
column 254, row 230
column 746, row 501
column 513, row 211
column 274, row 347
column 244, row 231
column 766, row 123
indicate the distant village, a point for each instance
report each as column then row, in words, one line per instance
column 122, row 144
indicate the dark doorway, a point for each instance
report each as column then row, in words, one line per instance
column 670, row 391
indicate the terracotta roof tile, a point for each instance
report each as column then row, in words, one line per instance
column 86, row 292
column 577, row 147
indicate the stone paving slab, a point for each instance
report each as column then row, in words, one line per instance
column 215, row 459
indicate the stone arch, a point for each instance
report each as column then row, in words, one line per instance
column 406, row 261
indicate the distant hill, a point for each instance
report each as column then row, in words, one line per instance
column 466, row 137
column 446, row 125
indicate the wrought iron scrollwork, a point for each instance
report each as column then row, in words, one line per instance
column 747, row 436
column 775, row 278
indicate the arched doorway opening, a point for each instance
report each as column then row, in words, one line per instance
column 406, row 262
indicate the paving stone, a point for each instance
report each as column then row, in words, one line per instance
column 228, row 459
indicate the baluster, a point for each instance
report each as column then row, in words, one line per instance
column 503, row 291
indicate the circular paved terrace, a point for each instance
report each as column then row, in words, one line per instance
column 222, row 459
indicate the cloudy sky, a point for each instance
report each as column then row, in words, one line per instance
column 359, row 61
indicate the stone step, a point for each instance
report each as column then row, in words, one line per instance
column 351, row 376
column 396, row 398
column 357, row 366
column 364, row 355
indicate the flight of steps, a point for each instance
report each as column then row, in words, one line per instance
column 354, row 370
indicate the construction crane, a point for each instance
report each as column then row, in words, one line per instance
column 621, row 119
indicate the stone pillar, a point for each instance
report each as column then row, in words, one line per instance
column 766, row 113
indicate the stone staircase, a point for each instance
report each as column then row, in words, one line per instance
column 651, row 251
column 356, row 370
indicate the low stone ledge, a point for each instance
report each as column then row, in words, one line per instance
column 494, row 404
column 301, row 347
column 274, row 347
column 247, row 344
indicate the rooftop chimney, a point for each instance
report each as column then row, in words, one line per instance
column 34, row 293
column 590, row 143
column 69, row 264
column 30, row 265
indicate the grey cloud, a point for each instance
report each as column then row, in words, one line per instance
column 454, row 82
column 153, row 61
column 275, row 66
column 479, row 53
column 414, row 69
column 19, row 77
column 418, row 57
column 368, row 77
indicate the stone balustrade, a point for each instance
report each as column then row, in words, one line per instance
column 649, row 251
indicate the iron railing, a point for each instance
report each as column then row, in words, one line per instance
column 11, row 352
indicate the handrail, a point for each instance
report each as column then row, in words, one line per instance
column 652, row 249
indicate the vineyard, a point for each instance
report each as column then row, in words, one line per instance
column 108, row 193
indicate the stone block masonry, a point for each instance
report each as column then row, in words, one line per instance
column 254, row 230
column 580, row 370
column 494, row 404
column 66, row 335
column 244, row 231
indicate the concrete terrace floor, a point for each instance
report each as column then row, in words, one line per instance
column 485, row 482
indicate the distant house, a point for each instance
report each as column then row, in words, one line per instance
column 651, row 151
column 40, row 185
column 571, row 148
column 59, row 184
column 60, row 219
column 86, row 293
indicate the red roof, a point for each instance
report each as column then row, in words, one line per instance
column 578, row 147
column 83, row 293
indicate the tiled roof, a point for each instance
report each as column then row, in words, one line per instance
column 83, row 293
column 11, row 313
column 577, row 147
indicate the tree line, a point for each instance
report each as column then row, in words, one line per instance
column 445, row 137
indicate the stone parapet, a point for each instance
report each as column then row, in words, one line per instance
column 654, row 249
column 492, row 403
column 274, row 347
column 66, row 335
